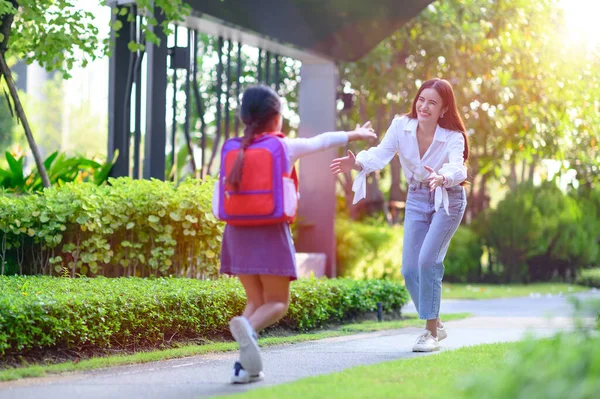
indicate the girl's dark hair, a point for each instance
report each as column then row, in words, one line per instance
column 260, row 104
column 451, row 119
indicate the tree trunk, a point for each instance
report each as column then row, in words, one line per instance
column 483, row 198
column 5, row 28
column 532, row 168
column 4, row 70
column 512, row 178
column 396, row 194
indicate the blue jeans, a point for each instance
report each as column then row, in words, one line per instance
column 427, row 235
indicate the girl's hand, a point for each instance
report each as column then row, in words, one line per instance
column 434, row 180
column 364, row 132
column 345, row 164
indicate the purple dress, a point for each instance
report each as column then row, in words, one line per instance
column 259, row 250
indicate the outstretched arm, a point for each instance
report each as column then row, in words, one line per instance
column 300, row 147
column 375, row 158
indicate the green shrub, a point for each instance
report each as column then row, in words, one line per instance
column 61, row 168
column 463, row 261
column 565, row 366
column 127, row 228
column 46, row 312
column 538, row 233
column 589, row 277
column 368, row 249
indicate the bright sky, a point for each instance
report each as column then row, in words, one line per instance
column 582, row 21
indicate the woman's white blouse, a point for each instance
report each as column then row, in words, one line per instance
column 444, row 155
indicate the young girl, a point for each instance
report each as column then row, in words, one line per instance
column 263, row 257
column 432, row 146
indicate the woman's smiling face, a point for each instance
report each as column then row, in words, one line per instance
column 429, row 106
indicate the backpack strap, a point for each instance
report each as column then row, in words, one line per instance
column 294, row 174
column 294, row 177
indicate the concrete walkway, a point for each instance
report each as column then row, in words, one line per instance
column 205, row 376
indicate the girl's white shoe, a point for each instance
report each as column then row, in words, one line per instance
column 245, row 336
column 241, row 376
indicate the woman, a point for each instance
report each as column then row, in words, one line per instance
column 432, row 145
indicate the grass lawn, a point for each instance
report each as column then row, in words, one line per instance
column 434, row 376
column 488, row 291
column 276, row 338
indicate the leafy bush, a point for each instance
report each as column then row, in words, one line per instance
column 46, row 312
column 130, row 227
column 368, row 249
column 373, row 249
column 463, row 261
column 61, row 169
column 565, row 366
column 589, row 277
column 538, row 232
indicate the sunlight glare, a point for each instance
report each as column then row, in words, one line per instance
column 581, row 19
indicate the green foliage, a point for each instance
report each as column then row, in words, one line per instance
column 564, row 366
column 368, row 250
column 44, row 312
column 589, row 277
column 58, row 35
column 61, row 169
column 524, row 90
column 463, row 260
column 537, row 233
column 129, row 227
column 374, row 250
column 207, row 77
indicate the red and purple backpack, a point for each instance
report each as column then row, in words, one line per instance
column 267, row 193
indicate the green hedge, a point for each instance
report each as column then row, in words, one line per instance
column 463, row 260
column 373, row 249
column 589, row 277
column 127, row 228
column 46, row 312
column 370, row 249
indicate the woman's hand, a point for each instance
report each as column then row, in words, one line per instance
column 364, row 132
column 434, row 180
column 344, row 164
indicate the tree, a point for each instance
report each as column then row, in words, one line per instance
column 518, row 84
column 57, row 35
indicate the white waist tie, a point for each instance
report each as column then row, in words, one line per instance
column 441, row 195
column 360, row 191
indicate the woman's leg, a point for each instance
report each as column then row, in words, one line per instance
column 431, row 258
column 416, row 226
column 276, row 298
column 254, row 293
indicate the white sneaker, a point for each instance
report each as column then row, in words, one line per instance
column 426, row 343
column 442, row 334
column 241, row 376
column 246, row 337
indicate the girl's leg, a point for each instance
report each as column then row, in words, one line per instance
column 276, row 298
column 431, row 258
column 249, row 366
column 254, row 293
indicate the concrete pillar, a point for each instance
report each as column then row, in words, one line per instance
column 316, row 213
